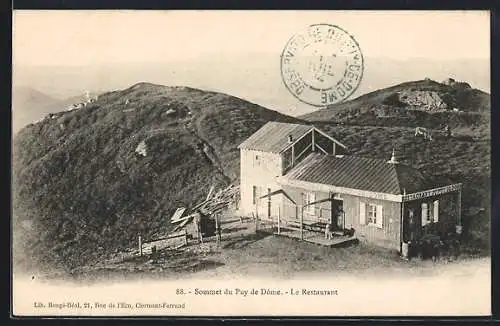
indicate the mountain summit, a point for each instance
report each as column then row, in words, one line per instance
column 425, row 103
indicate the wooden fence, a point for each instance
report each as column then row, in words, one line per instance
column 171, row 241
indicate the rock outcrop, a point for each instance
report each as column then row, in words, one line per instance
column 142, row 149
column 429, row 100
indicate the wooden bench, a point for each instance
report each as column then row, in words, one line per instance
column 315, row 227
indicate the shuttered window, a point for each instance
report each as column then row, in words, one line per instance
column 371, row 214
column 430, row 212
column 362, row 213
column 436, row 211
column 380, row 218
column 374, row 215
column 425, row 214
column 254, row 195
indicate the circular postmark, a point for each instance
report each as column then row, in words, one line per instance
column 322, row 65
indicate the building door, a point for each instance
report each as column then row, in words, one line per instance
column 263, row 203
column 338, row 215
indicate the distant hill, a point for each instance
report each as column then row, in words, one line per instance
column 425, row 103
column 80, row 189
column 29, row 105
column 266, row 88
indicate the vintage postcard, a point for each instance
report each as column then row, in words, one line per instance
column 251, row 163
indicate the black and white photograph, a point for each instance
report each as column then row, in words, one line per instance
column 251, row 163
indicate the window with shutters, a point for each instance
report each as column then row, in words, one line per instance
column 254, row 195
column 430, row 212
column 425, row 214
column 435, row 206
column 380, row 216
column 371, row 214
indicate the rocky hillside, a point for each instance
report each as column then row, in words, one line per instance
column 86, row 182
column 425, row 103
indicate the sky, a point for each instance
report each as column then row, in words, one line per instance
column 102, row 37
column 238, row 51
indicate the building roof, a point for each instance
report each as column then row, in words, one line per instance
column 273, row 136
column 361, row 173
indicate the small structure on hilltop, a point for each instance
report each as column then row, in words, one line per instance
column 90, row 98
column 448, row 81
column 455, row 83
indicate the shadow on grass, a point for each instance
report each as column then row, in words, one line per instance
column 348, row 243
column 244, row 241
column 198, row 265
column 233, row 220
column 235, row 229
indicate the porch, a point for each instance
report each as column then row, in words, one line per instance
column 312, row 231
column 303, row 216
column 318, row 238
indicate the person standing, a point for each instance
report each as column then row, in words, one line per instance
column 328, row 231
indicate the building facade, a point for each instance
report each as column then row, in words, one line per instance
column 297, row 173
column 271, row 152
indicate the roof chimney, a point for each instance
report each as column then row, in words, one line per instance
column 393, row 158
column 290, row 139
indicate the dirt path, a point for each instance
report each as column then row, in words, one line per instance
column 207, row 149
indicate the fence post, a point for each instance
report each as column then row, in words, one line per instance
column 256, row 219
column 302, row 224
column 217, row 227
column 279, row 214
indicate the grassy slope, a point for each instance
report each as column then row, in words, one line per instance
column 79, row 181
